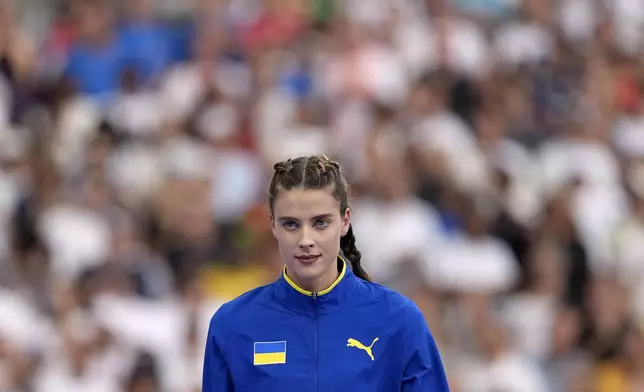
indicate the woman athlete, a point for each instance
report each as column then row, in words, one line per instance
column 323, row 325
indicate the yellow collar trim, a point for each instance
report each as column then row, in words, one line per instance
column 325, row 291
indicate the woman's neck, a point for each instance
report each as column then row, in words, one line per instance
column 316, row 284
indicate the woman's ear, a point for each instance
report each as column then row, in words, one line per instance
column 346, row 221
column 273, row 226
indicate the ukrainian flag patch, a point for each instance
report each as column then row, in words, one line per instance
column 269, row 353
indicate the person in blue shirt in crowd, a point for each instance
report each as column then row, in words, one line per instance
column 103, row 52
column 145, row 41
column 95, row 62
column 323, row 325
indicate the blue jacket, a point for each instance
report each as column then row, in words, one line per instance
column 355, row 336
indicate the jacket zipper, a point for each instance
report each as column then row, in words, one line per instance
column 315, row 338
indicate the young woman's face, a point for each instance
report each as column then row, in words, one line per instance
column 307, row 225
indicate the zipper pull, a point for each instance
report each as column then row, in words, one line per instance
column 314, row 295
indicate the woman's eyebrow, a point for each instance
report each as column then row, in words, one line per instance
column 320, row 216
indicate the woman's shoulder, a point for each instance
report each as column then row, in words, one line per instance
column 387, row 297
column 383, row 303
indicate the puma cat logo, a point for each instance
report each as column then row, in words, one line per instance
column 354, row 343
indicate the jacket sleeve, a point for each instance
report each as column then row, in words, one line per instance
column 423, row 367
column 216, row 374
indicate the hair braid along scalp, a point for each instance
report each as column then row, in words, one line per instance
column 318, row 172
column 282, row 167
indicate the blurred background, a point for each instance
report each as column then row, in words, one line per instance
column 495, row 147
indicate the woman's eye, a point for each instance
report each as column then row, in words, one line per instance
column 289, row 225
column 321, row 223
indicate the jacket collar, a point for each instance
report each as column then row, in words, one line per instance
column 296, row 298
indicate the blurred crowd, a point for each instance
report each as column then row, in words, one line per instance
column 495, row 147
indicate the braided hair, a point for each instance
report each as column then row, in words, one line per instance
column 318, row 172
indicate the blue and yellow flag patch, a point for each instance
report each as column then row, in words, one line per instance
column 269, row 353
